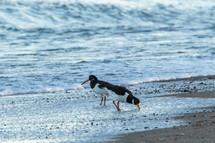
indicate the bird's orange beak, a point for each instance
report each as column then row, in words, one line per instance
column 138, row 106
column 85, row 82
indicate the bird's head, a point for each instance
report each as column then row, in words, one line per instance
column 91, row 78
column 133, row 100
column 136, row 101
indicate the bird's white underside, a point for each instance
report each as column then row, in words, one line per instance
column 100, row 91
column 104, row 92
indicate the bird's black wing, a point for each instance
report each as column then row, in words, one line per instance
column 120, row 90
column 103, row 84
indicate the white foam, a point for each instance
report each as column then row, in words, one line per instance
column 6, row 92
column 77, row 86
column 133, row 82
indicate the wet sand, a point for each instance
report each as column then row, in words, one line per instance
column 199, row 127
column 59, row 117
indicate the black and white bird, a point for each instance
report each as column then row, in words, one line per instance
column 119, row 93
column 98, row 87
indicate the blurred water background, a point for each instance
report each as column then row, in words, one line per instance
column 53, row 45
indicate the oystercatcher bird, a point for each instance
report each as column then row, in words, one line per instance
column 98, row 87
column 119, row 93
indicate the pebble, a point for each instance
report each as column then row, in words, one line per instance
column 162, row 139
column 182, row 134
column 68, row 91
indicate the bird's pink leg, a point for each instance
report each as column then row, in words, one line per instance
column 104, row 100
column 101, row 100
column 116, row 105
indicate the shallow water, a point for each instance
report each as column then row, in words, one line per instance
column 76, row 116
column 54, row 45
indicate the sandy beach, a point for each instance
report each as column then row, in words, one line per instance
column 199, row 127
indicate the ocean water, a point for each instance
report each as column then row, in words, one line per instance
column 54, row 45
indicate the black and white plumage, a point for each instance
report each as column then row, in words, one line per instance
column 98, row 87
column 119, row 93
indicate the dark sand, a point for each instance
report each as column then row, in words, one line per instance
column 199, row 128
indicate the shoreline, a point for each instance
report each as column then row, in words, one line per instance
column 199, row 127
column 191, row 79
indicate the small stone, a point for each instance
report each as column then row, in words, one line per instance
column 162, row 139
column 182, row 134
column 68, row 91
